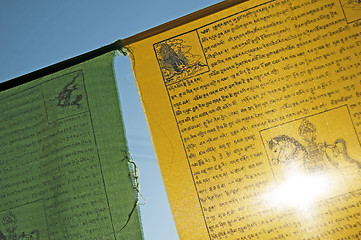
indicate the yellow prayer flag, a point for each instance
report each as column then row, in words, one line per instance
column 255, row 114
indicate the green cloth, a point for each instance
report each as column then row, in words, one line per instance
column 64, row 163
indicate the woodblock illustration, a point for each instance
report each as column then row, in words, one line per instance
column 65, row 96
column 181, row 57
column 26, row 222
column 321, row 144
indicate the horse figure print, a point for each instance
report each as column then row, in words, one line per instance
column 312, row 156
column 180, row 58
column 287, row 150
column 323, row 144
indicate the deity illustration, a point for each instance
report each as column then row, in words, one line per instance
column 172, row 60
column 309, row 155
column 180, row 58
column 66, row 97
column 10, row 225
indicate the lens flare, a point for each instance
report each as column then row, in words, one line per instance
column 300, row 191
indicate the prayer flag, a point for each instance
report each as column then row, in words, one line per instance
column 64, row 162
column 255, row 114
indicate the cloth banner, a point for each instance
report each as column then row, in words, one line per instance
column 255, row 114
column 65, row 171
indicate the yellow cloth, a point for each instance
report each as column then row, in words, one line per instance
column 255, row 117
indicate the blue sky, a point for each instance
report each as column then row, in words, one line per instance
column 39, row 33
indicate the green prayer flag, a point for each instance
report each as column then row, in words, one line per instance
column 64, row 162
